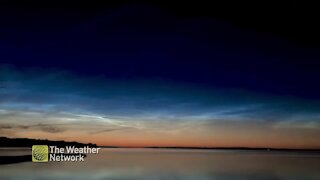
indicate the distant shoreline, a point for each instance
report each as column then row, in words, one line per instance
column 222, row 148
column 19, row 143
column 197, row 148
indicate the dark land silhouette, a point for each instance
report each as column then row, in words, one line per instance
column 15, row 159
column 25, row 142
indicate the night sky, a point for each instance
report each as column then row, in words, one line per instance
column 154, row 74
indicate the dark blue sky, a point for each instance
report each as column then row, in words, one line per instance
column 150, row 41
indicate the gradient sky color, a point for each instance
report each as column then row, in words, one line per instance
column 61, row 105
column 137, row 75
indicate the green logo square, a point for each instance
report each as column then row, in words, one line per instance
column 40, row 153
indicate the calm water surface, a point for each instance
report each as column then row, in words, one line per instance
column 121, row 163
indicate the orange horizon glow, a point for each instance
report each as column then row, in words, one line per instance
column 137, row 141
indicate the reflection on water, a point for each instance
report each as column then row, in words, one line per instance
column 169, row 164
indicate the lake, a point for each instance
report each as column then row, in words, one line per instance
column 184, row 164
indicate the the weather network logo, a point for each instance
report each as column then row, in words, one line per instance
column 40, row 153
